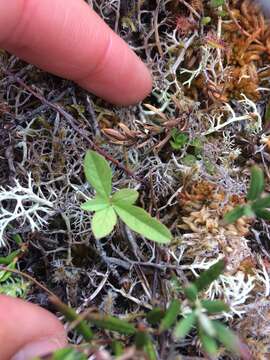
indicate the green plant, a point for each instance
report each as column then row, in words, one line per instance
column 179, row 139
column 210, row 332
column 257, row 205
column 65, row 354
column 158, row 322
column 206, row 20
column 107, row 207
column 11, row 284
column 217, row 3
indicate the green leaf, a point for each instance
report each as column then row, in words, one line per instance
column 263, row 214
column 71, row 315
column 5, row 274
column 189, row 160
column 125, row 196
column 15, row 288
column 66, row 354
column 170, row 315
column 174, row 145
column 198, row 145
column 155, row 316
column 6, row 260
column 112, row 323
column 261, row 203
column 140, row 339
column 248, row 210
column 184, row 326
column 256, row 186
column 209, row 275
column 117, row 348
column 215, row 306
column 98, row 203
column 98, row 173
column 235, row 214
column 191, row 292
column 149, row 349
column 103, row 222
column 206, row 324
column 226, row 337
column 179, row 139
column 222, row 13
column 217, row 3
column 144, row 341
column 206, row 20
column 140, row 221
column 208, row 343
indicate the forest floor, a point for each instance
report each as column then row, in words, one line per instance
column 187, row 149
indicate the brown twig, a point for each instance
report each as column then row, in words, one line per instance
column 156, row 30
column 190, row 8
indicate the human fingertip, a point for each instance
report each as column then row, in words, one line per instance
column 39, row 348
column 128, row 89
column 141, row 86
column 138, row 87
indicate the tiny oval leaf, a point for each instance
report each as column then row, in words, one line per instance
column 235, row 214
column 103, row 222
column 112, row 323
column 184, row 326
column 256, row 186
column 170, row 315
column 261, row 203
column 208, row 343
column 141, row 222
column 98, row 173
column 226, row 337
column 263, row 214
column 98, row 203
column 191, row 292
column 128, row 196
column 215, row 306
column 155, row 316
column 209, row 275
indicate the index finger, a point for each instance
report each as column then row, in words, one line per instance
column 23, row 323
column 69, row 39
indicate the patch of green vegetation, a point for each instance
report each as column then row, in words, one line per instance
column 10, row 283
column 210, row 332
column 257, row 205
column 179, row 139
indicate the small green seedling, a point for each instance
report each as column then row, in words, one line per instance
column 108, row 206
column 65, row 354
column 257, row 205
column 10, row 284
column 156, row 323
column 217, row 3
column 179, row 139
column 206, row 20
column 210, row 332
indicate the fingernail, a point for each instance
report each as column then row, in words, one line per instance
column 37, row 348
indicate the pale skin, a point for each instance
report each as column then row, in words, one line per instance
column 66, row 38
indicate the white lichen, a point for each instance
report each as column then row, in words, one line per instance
column 23, row 205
